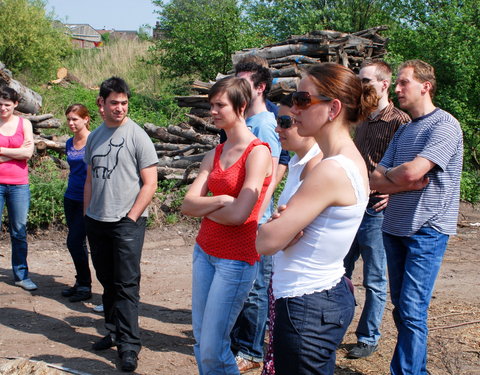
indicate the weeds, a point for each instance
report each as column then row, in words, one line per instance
column 47, row 186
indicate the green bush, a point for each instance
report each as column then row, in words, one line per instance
column 47, row 186
column 28, row 40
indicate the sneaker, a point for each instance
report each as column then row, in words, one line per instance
column 245, row 365
column 105, row 343
column 362, row 350
column 26, row 284
column 98, row 308
column 129, row 361
column 81, row 295
column 68, row 292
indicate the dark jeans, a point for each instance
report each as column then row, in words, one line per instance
column 76, row 241
column 248, row 333
column 116, row 249
column 308, row 330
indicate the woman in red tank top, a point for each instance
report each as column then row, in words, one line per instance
column 16, row 147
column 228, row 194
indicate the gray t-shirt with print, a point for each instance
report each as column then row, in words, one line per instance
column 116, row 155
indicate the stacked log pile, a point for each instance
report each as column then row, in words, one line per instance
column 181, row 148
column 286, row 61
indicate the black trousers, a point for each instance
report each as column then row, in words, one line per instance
column 77, row 241
column 116, row 249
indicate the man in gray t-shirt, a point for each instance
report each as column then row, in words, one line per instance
column 121, row 181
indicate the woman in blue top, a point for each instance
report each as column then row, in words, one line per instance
column 78, row 120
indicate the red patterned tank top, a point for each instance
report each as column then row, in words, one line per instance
column 236, row 242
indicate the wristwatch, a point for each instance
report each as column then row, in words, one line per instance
column 386, row 171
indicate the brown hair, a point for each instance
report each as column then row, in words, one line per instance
column 238, row 93
column 7, row 93
column 80, row 110
column 383, row 71
column 258, row 66
column 338, row 82
column 422, row 72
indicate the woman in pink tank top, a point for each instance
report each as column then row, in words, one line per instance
column 16, row 147
column 228, row 194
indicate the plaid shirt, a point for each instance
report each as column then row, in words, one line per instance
column 373, row 136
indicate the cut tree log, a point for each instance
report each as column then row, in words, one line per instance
column 162, row 134
column 179, row 161
column 161, row 146
column 51, row 123
column 186, row 151
column 34, row 118
column 192, row 135
column 30, row 101
column 51, row 145
column 201, row 124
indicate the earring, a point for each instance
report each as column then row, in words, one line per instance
column 329, row 118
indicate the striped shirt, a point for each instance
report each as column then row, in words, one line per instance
column 373, row 136
column 437, row 137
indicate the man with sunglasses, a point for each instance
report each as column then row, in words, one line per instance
column 372, row 138
column 249, row 331
column 421, row 170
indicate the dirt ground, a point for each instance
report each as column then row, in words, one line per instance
column 43, row 326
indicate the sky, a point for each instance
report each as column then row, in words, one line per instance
column 108, row 14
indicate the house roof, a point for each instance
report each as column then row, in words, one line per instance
column 84, row 32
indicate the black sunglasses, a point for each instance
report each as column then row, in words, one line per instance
column 285, row 122
column 303, row 99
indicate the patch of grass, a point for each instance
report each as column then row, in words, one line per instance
column 47, row 187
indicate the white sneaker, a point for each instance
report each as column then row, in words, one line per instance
column 26, row 284
column 98, row 309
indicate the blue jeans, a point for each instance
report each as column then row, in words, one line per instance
column 413, row 265
column 309, row 328
column 369, row 244
column 76, row 241
column 17, row 199
column 249, row 332
column 219, row 288
column 116, row 251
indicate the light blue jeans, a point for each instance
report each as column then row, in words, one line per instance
column 369, row 244
column 17, row 199
column 219, row 289
column 413, row 265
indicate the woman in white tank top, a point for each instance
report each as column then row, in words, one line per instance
column 312, row 235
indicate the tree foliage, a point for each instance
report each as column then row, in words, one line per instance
column 279, row 19
column 446, row 34
column 28, row 39
column 199, row 36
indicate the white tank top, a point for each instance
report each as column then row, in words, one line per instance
column 315, row 262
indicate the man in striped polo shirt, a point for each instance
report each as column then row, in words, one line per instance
column 372, row 138
column 421, row 169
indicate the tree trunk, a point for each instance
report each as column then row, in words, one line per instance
column 30, row 101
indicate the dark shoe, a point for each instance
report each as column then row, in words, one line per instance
column 362, row 350
column 80, row 295
column 68, row 292
column 103, row 344
column 129, row 361
column 245, row 365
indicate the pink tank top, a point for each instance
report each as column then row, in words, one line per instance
column 14, row 172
